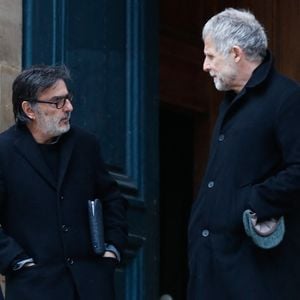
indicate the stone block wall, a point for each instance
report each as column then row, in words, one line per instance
column 10, row 60
column 10, row 55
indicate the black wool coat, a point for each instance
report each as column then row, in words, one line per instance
column 46, row 218
column 254, row 163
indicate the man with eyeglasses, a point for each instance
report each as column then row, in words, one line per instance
column 48, row 172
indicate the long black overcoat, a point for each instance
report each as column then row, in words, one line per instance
column 47, row 218
column 254, row 163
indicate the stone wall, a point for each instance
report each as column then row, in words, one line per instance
column 10, row 55
column 10, row 59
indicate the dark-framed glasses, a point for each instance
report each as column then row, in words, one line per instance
column 58, row 101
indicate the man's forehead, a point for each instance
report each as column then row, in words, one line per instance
column 59, row 85
column 209, row 45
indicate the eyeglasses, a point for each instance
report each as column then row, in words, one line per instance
column 58, row 101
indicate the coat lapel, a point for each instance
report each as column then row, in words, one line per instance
column 231, row 105
column 66, row 150
column 28, row 148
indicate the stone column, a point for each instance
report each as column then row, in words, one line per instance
column 10, row 59
column 10, row 55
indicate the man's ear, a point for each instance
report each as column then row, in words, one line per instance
column 28, row 110
column 237, row 53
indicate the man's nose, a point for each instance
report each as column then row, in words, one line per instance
column 68, row 106
column 206, row 66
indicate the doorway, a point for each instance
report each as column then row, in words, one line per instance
column 176, row 194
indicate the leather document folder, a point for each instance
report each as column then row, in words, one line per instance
column 96, row 225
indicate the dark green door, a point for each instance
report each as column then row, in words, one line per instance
column 110, row 47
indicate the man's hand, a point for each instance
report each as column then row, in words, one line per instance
column 29, row 264
column 109, row 254
column 264, row 228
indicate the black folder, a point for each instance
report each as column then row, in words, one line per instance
column 96, row 225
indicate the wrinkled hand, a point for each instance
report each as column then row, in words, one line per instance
column 109, row 254
column 263, row 228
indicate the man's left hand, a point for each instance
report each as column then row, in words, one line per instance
column 109, row 254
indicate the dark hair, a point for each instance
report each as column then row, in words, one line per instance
column 31, row 82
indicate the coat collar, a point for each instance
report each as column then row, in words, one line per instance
column 259, row 76
column 28, row 148
column 261, row 73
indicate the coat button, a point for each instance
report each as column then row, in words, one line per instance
column 70, row 260
column 64, row 228
column 221, row 137
column 210, row 184
column 205, row 233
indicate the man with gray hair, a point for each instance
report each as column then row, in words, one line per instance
column 245, row 223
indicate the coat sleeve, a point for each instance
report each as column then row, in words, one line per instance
column 9, row 248
column 114, row 206
column 279, row 194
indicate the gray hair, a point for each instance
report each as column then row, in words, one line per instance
column 234, row 27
